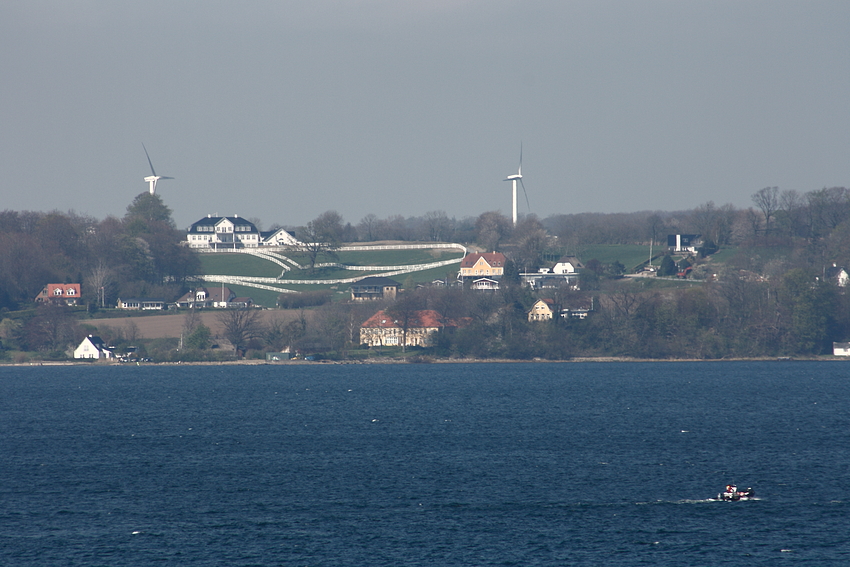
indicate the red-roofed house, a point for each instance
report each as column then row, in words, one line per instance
column 477, row 265
column 383, row 330
column 67, row 293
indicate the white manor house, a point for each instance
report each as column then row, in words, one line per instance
column 221, row 233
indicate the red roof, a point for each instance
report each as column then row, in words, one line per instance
column 64, row 289
column 494, row 259
column 427, row 318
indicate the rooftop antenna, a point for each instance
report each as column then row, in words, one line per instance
column 514, row 178
column 152, row 179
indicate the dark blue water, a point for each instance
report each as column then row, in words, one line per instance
column 441, row 464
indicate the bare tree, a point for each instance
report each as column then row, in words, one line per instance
column 241, row 326
column 316, row 241
column 99, row 281
column 438, row 226
column 366, row 227
column 191, row 321
column 491, row 228
column 767, row 200
column 132, row 332
column 405, row 313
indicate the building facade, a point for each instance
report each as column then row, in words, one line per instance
column 69, row 294
column 381, row 329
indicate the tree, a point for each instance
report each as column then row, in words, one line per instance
column 438, row 226
column 329, row 227
column 240, row 326
column 53, row 328
column 148, row 208
column 668, row 267
column 321, row 236
column 367, row 226
column 531, row 239
column 491, row 229
column 767, row 200
column 811, row 303
column 404, row 313
column 199, row 338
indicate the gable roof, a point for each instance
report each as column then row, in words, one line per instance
column 63, row 288
column 211, row 221
column 570, row 260
column 96, row 341
column 494, row 259
column 425, row 318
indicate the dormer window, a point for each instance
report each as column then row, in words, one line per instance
column 57, row 291
column 71, row 291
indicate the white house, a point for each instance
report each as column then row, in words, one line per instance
column 279, row 237
column 680, row 243
column 565, row 271
column 214, row 296
column 93, row 347
column 223, row 233
column 567, row 265
column 841, row 349
column 141, row 304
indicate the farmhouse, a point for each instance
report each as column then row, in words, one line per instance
column 68, row 293
column 382, row 329
column 477, row 265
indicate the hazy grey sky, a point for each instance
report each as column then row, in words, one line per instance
column 282, row 110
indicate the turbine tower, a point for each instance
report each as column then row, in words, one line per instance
column 152, row 179
column 514, row 178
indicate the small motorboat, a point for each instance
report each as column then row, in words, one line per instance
column 732, row 494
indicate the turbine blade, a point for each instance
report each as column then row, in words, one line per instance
column 149, row 159
column 520, row 159
column 166, row 178
column 526, row 194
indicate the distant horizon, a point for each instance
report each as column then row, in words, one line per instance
column 281, row 111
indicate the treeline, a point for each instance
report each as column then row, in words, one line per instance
column 798, row 314
column 787, row 213
column 139, row 255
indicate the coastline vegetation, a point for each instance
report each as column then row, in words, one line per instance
column 767, row 283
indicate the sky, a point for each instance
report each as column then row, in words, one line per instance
column 281, row 110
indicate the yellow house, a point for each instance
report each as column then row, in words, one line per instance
column 542, row 310
column 490, row 264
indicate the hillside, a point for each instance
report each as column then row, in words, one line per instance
column 264, row 274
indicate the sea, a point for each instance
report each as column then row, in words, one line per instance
column 521, row 464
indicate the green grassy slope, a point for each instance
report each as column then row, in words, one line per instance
column 239, row 264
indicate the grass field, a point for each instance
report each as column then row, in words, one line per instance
column 630, row 256
column 247, row 265
column 238, row 265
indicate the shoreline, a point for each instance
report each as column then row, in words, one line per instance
column 377, row 361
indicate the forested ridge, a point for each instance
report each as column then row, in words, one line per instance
column 774, row 293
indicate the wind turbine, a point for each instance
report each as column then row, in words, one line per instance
column 152, row 179
column 514, row 178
